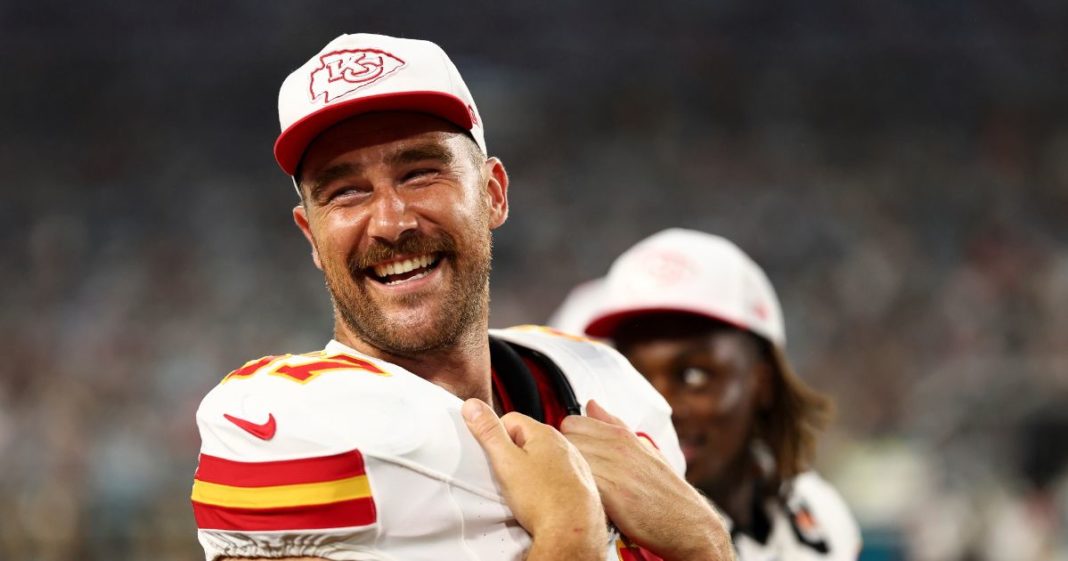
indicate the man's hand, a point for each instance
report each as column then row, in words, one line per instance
column 545, row 481
column 643, row 496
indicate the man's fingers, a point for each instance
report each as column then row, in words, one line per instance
column 522, row 428
column 594, row 410
column 513, row 423
column 597, row 452
column 487, row 429
column 597, row 421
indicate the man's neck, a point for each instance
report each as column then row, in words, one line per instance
column 462, row 368
column 735, row 490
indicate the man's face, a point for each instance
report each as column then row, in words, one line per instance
column 399, row 209
column 715, row 382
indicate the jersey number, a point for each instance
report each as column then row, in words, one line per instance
column 303, row 373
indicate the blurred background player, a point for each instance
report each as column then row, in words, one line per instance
column 700, row 320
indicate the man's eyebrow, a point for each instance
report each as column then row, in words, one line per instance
column 330, row 174
column 435, row 152
column 420, row 153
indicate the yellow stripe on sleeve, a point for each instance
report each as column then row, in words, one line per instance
column 281, row 496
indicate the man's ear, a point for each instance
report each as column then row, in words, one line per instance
column 497, row 191
column 300, row 216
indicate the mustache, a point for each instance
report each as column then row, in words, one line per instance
column 407, row 245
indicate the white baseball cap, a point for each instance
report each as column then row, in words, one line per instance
column 680, row 270
column 578, row 306
column 362, row 73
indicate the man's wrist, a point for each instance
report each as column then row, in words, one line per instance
column 709, row 539
column 569, row 541
column 585, row 549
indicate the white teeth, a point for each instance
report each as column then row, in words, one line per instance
column 418, row 276
column 401, row 267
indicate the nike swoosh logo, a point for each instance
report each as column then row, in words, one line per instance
column 263, row 431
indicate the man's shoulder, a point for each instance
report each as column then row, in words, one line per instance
column 335, row 442
column 325, row 453
column 809, row 489
column 820, row 517
column 326, row 380
column 574, row 354
column 594, row 369
column 304, row 368
column 318, row 404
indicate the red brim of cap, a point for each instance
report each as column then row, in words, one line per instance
column 605, row 326
column 291, row 144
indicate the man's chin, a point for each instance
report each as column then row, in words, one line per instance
column 409, row 343
column 416, row 316
column 405, row 330
column 409, row 313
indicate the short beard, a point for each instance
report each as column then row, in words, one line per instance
column 465, row 303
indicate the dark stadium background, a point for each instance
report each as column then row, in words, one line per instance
column 899, row 168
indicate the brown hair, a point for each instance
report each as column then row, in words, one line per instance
column 791, row 425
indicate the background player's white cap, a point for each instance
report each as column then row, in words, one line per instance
column 361, row 73
column 679, row 270
column 578, row 307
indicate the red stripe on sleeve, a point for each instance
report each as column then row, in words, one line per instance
column 345, row 514
column 284, row 472
column 649, row 438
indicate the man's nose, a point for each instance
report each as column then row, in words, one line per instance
column 391, row 216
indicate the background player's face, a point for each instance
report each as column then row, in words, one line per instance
column 399, row 209
column 715, row 381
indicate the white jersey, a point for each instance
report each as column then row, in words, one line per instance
column 338, row 455
column 814, row 525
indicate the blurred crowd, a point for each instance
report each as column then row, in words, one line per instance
column 900, row 171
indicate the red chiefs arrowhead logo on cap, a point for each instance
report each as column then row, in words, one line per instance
column 343, row 72
column 661, row 268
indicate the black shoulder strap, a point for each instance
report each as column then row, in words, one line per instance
column 560, row 382
column 516, row 378
column 507, row 359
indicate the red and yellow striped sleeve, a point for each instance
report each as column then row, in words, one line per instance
column 302, row 494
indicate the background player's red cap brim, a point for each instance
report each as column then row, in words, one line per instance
column 605, row 326
column 291, row 144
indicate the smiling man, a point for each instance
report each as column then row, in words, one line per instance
column 387, row 443
column 403, row 240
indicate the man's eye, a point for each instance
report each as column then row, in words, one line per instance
column 348, row 191
column 694, row 377
column 420, row 173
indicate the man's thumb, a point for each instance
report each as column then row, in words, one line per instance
column 487, row 428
